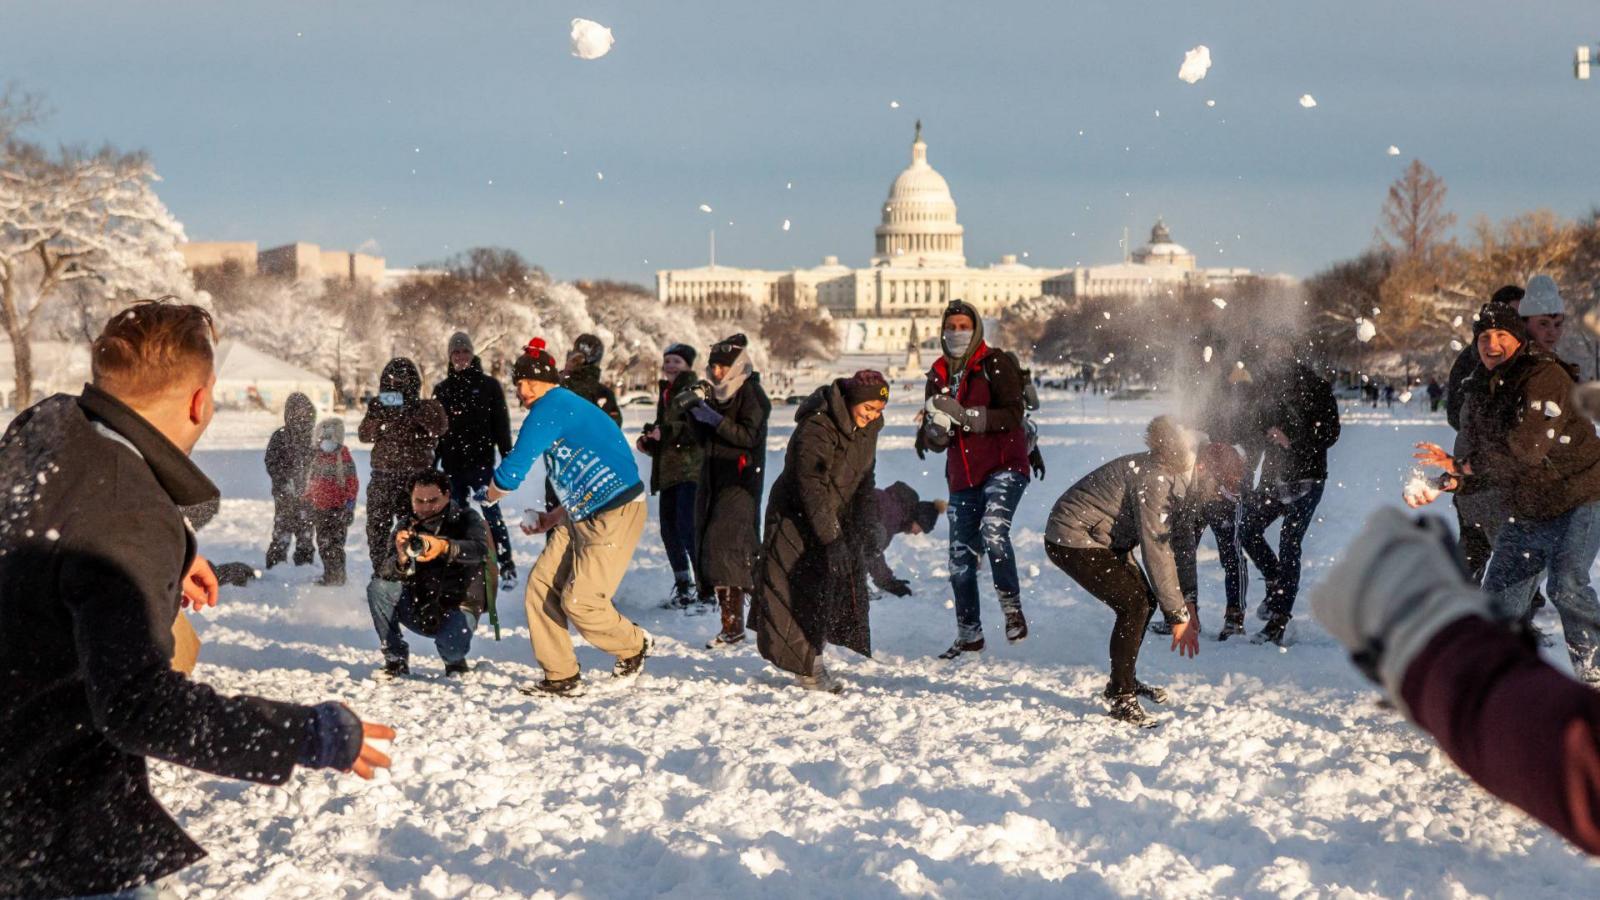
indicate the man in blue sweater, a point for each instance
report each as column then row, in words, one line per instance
column 592, row 533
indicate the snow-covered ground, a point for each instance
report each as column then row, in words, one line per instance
column 1275, row 772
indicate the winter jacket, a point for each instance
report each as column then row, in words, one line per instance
column 1140, row 500
column 984, row 378
column 91, row 555
column 332, row 483
column 823, row 495
column 893, row 512
column 590, row 465
column 676, row 457
column 1525, row 731
column 1301, row 404
column 403, row 437
column 479, row 423
column 585, row 382
column 1526, row 439
column 290, row 447
column 459, row 579
column 1466, row 363
column 727, row 516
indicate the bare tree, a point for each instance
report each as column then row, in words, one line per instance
column 799, row 333
column 1414, row 222
column 1518, row 248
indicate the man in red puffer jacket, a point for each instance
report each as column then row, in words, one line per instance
column 974, row 413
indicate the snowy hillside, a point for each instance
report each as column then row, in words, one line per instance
column 1275, row 773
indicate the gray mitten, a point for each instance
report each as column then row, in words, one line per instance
column 1396, row 586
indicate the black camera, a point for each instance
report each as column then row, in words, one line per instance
column 414, row 547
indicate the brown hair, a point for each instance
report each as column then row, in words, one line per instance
column 152, row 346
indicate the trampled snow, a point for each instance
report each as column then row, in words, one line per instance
column 1275, row 773
column 590, row 40
column 1196, row 63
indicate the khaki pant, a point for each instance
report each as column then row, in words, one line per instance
column 574, row 580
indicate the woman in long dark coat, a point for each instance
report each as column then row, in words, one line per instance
column 813, row 590
column 730, row 413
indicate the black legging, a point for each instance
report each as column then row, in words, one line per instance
column 1223, row 518
column 1117, row 581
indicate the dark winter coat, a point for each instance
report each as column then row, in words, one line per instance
column 1298, row 402
column 403, row 437
column 461, row 578
column 91, row 554
column 1466, row 363
column 676, row 457
column 824, row 494
column 290, row 448
column 1527, row 439
column 585, row 382
column 990, row 379
column 894, row 511
column 479, row 424
column 727, row 517
column 1145, row 500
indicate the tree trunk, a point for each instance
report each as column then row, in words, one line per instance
column 21, row 350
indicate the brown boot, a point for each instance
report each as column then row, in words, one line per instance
column 731, row 601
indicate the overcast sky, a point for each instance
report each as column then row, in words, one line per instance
column 422, row 128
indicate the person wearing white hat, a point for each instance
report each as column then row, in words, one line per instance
column 1544, row 312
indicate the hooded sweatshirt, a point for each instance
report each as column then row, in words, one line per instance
column 332, row 483
column 1140, row 500
column 403, row 437
column 290, row 447
column 981, row 377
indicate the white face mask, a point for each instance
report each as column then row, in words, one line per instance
column 329, row 446
column 956, row 342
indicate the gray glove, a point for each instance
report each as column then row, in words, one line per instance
column 969, row 419
column 1397, row 585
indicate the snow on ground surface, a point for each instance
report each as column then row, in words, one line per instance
column 1275, row 773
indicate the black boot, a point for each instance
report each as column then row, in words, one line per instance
column 1140, row 689
column 1232, row 624
column 561, row 687
column 396, row 668
column 1126, row 708
column 1016, row 625
column 627, row 667
column 1272, row 632
column 960, row 647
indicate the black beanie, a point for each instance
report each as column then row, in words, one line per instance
column 682, row 351
column 535, row 364
column 725, row 351
column 1499, row 317
column 927, row 515
column 864, row 386
column 1510, row 295
column 591, row 347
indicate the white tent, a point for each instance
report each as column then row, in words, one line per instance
column 58, row 367
column 250, row 379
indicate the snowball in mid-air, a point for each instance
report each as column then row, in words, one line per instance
column 1220, row 303
column 785, row 224
column 1195, row 64
column 590, row 40
column 1206, row 354
column 1211, row 103
column 1393, row 150
column 705, row 208
column 1307, row 101
column 1365, row 330
column 1405, row 396
column 894, row 104
column 1456, row 346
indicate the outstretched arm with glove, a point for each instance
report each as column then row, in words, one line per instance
column 1400, row 601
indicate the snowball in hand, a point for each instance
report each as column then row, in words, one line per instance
column 1365, row 330
column 1195, row 64
column 1307, row 101
column 590, row 40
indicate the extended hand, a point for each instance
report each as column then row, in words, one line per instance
column 199, row 584
column 1186, row 639
column 1434, row 455
column 434, row 548
column 371, row 758
column 897, row 586
column 493, row 494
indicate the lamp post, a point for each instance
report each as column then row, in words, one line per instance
column 1581, row 62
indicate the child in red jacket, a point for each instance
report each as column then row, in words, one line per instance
column 331, row 491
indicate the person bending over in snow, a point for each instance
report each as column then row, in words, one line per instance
column 289, row 453
column 898, row 511
column 975, row 410
column 95, row 563
column 1399, row 599
column 331, row 491
column 437, row 582
column 1147, row 501
column 592, row 532
column 812, row 592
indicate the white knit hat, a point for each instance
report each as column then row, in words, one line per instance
column 1542, row 299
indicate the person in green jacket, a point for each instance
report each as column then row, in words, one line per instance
column 675, row 458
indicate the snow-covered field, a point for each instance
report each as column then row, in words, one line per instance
column 1275, row 772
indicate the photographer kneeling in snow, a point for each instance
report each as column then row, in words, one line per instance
column 592, row 532
column 811, row 591
column 95, row 563
column 1400, row 600
column 1146, row 500
column 438, row 580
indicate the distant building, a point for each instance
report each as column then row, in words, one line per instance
column 299, row 261
column 917, row 267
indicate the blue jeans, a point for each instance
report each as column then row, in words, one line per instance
column 1563, row 549
column 1296, row 503
column 676, row 508
column 1223, row 518
column 462, row 486
column 983, row 514
column 390, row 605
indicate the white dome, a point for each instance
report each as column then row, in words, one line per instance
column 919, row 218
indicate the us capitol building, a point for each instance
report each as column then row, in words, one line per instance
column 918, row 265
